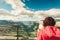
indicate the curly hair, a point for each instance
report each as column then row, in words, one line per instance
column 49, row 21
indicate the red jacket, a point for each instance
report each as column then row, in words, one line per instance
column 49, row 33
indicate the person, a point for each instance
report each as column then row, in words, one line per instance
column 49, row 32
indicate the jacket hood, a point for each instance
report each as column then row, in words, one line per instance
column 52, row 31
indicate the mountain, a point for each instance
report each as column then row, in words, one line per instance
column 6, row 22
column 19, row 22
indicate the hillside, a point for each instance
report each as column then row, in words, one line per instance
column 25, row 28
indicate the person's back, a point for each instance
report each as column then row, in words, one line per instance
column 49, row 32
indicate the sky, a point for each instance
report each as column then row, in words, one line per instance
column 41, row 4
column 33, row 4
column 29, row 10
column 5, row 6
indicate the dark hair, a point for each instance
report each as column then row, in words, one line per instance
column 49, row 21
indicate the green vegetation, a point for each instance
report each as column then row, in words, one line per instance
column 25, row 30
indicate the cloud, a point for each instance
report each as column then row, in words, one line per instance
column 5, row 15
column 4, row 12
column 28, row 16
column 52, row 12
column 15, row 3
column 19, row 13
column 18, row 7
